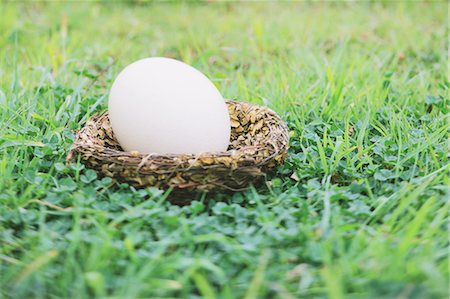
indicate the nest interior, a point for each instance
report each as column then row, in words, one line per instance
column 259, row 142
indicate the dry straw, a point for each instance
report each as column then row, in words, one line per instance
column 259, row 143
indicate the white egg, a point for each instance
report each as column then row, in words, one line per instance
column 162, row 105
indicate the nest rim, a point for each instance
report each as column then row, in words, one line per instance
column 103, row 153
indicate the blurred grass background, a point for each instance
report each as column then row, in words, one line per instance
column 359, row 211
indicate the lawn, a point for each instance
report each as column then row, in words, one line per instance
column 359, row 210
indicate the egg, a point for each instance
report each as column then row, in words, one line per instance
column 164, row 106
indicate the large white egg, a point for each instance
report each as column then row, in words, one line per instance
column 162, row 105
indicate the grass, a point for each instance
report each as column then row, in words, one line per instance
column 360, row 209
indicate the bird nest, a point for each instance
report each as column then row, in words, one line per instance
column 259, row 142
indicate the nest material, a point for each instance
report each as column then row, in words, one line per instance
column 259, row 142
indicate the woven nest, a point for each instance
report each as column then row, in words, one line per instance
column 259, row 142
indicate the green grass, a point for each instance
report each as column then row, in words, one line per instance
column 360, row 209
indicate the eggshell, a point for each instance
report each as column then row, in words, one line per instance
column 162, row 105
